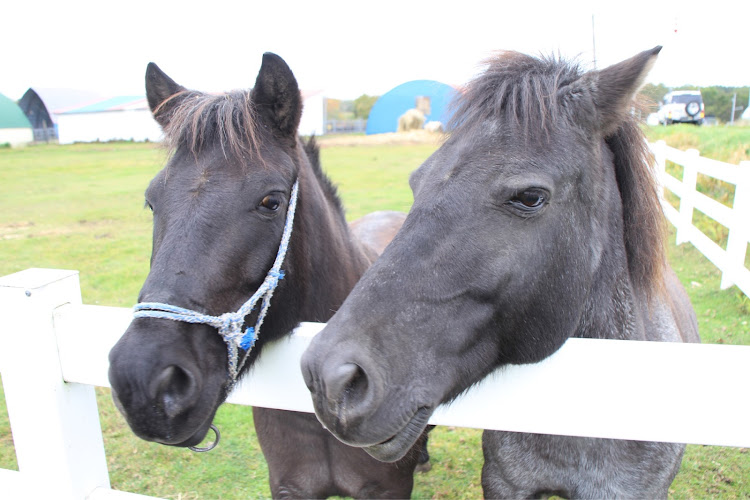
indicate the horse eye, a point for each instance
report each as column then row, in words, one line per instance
column 530, row 199
column 148, row 205
column 271, row 202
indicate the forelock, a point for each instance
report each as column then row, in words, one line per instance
column 521, row 90
column 200, row 120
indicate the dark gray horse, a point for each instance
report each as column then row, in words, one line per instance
column 538, row 220
column 222, row 206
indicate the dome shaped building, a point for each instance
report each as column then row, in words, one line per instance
column 429, row 96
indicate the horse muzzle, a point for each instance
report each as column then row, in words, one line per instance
column 348, row 396
column 161, row 388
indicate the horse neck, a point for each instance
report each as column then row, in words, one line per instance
column 328, row 260
column 614, row 306
column 322, row 264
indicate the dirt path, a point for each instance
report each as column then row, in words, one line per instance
column 411, row 137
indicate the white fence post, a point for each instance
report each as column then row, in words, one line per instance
column 687, row 198
column 56, row 430
column 660, row 158
column 739, row 229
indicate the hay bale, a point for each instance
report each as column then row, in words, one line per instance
column 433, row 127
column 413, row 119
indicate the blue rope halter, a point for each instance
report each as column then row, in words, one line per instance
column 230, row 324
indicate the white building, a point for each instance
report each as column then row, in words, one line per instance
column 129, row 118
column 313, row 113
column 118, row 118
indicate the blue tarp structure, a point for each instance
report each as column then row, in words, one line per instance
column 394, row 103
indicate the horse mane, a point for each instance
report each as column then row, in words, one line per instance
column 643, row 218
column 523, row 92
column 199, row 119
column 312, row 150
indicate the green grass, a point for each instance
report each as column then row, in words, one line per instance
column 727, row 144
column 374, row 178
column 80, row 207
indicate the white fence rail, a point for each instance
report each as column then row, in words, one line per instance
column 53, row 350
column 730, row 261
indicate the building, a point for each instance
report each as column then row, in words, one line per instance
column 429, row 96
column 15, row 128
column 313, row 113
column 41, row 105
column 123, row 118
column 81, row 116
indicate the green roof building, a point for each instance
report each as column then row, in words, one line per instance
column 15, row 128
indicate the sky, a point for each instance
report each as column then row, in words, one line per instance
column 349, row 48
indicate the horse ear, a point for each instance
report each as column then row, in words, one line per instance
column 276, row 95
column 616, row 86
column 160, row 92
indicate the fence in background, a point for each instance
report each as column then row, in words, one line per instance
column 730, row 261
column 345, row 126
column 45, row 134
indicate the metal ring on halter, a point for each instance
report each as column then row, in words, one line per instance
column 211, row 446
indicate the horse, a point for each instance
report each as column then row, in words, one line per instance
column 223, row 213
column 537, row 220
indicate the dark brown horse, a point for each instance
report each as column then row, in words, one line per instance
column 222, row 207
column 538, row 220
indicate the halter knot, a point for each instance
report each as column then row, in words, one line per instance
column 230, row 325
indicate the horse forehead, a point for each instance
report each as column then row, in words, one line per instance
column 497, row 154
column 211, row 173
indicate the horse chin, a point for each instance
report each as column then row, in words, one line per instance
column 162, row 436
column 193, row 440
column 396, row 447
column 179, row 439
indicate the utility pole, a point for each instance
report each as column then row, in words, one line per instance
column 734, row 105
column 593, row 37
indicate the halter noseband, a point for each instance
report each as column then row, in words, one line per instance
column 230, row 324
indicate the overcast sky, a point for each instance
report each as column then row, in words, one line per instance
column 349, row 48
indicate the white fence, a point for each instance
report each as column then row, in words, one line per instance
column 731, row 261
column 53, row 350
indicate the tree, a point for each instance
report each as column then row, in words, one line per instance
column 363, row 104
column 336, row 109
column 718, row 101
column 651, row 95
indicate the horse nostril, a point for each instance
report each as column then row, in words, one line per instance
column 173, row 389
column 346, row 384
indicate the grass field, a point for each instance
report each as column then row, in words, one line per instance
column 81, row 207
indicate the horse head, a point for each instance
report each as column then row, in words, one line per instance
column 219, row 210
column 516, row 230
